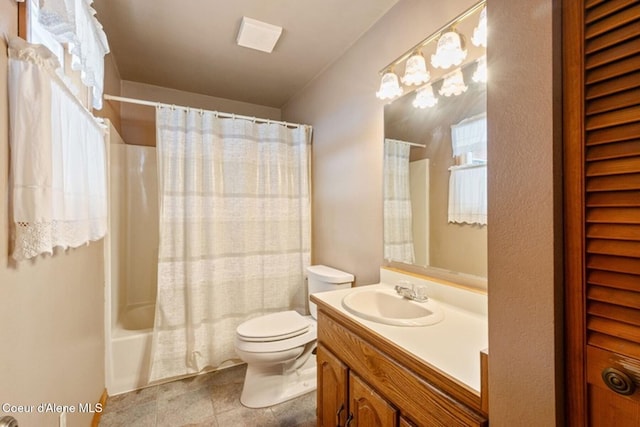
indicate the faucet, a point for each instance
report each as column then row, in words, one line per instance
column 409, row 291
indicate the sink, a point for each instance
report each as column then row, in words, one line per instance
column 386, row 306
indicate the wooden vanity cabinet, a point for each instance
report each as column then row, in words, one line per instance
column 344, row 398
column 363, row 382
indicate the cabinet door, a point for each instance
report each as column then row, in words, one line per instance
column 332, row 389
column 406, row 423
column 368, row 408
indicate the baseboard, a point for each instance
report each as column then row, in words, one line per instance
column 97, row 415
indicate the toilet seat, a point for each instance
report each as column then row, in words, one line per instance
column 273, row 327
column 288, row 331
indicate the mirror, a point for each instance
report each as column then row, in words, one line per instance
column 433, row 238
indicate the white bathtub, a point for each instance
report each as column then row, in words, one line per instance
column 130, row 351
column 138, row 318
column 130, row 264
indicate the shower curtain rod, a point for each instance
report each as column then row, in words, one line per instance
column 413, row 144
column 108, row 97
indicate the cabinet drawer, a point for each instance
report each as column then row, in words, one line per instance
column 417, row 399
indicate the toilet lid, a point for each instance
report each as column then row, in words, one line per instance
column 273, row 327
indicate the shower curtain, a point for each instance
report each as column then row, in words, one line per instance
column 234, row 232
column 398, row 228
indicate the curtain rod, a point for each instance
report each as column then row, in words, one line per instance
column 108, row 97
column 413, row 144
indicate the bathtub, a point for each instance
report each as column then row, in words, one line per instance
column 130, row 264
column 130, row 353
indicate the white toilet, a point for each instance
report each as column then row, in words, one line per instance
column 278, row 348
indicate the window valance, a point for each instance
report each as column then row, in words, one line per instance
column 58, row 158
column 74, row 22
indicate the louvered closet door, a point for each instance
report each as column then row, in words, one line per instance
column 602, row 195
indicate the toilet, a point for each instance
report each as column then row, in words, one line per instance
column 279, row 347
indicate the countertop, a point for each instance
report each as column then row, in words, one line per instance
column 452, row 346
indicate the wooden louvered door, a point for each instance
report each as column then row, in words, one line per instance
column 601, row 135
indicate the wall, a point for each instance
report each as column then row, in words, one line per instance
column 51, row 316
column 112, row 82
column 347, row 138
column 524, row 235
column 138, row 122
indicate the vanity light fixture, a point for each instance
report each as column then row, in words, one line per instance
column 480, row 75
column 389, row 86
column 450, row 50
column 425, row 97
column 415, row 71
column 453, row 84
column 480, row 32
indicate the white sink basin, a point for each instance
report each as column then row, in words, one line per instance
column 386, row 306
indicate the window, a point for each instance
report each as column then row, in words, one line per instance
column 469, row 140
column 69, row 27
column 38, row 34
column 468, row 181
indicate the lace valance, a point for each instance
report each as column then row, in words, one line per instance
column 74, row 22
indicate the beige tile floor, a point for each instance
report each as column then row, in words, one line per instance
column 206, row 400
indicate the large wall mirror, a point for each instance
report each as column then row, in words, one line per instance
column 435, row 170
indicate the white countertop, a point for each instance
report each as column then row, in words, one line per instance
column 453, row 346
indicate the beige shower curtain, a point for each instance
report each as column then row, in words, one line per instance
column 234, row 232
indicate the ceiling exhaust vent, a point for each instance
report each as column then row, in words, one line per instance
column 258, row 35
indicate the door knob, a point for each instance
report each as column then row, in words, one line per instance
column 618, row 381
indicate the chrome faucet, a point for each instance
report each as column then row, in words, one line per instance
column 409, row 291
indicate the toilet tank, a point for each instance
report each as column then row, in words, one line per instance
column 321, row 278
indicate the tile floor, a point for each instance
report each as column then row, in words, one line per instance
column 206, row 400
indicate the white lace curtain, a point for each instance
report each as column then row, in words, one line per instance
column 58, row 163
column 234, row 232
column 73, row 22
column 398, row 228
column 468, row 183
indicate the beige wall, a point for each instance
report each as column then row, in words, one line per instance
column 51, row 310
column 524, row 212
column 347, row 137
column 138, row 122
column 523, row 270
column 111, row 110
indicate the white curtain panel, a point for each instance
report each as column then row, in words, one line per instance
column 234, row 232
column 468, row 195
column 58, row 158
column 398, row 230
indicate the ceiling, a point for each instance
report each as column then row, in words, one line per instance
column 191, row 45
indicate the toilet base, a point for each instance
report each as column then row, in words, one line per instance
column 267, row 387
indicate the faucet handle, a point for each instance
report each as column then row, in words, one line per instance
column 421, row 292
column 405, row 284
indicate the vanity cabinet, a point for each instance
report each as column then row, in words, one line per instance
column 366, row 380
column 345, row 399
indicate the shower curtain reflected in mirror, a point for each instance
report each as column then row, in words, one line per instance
column 398, row 231
column 234, row 232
